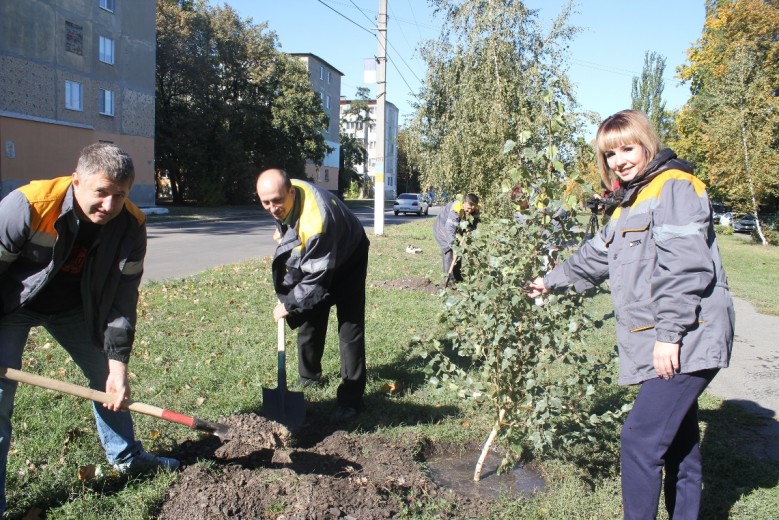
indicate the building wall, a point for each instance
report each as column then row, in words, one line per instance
column 45, row 43
column 326, row 82
column 353, row 129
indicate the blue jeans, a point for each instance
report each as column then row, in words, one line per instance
column 71, row 331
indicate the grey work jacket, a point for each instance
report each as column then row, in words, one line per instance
column 38, row 226
column 661, row 258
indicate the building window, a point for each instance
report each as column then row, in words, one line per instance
column 106, row 50
column 327, row 101
column 108, row 5
column 321, row 72
column 74, row 38
column 327, row 175
column 106, row 102
column 328, row 76
column 73, row 96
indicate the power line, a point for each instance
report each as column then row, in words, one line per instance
column 346, row 17
column 361, row 11
column 375, row 35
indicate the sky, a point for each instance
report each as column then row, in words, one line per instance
column 604, row 57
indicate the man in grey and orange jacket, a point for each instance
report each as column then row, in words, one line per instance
column 71, row 260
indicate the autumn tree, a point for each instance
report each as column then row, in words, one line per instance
column 227, row 104
column 730, row 126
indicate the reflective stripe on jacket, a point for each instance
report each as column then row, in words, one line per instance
column 38, row 226
column 667, row 283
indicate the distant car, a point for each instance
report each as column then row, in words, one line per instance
column 717, row 210
column 743, row 223
column 410, row 203
column 725, row 219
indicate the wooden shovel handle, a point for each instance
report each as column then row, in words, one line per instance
column 94, row 395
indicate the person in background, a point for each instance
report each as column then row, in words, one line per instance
column 321, row 261
column 674, row 314
column 71, row 260
column 446, row 229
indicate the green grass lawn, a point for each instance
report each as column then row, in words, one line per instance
column 205, row 346
column 753, row 271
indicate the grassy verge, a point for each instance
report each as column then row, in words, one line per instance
column 206, row 346
column 753, row 271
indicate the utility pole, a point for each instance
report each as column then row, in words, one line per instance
column 381, row 101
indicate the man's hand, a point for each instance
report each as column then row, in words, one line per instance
column 116, row 384
column 279, row 312
column 536, row 288
column 666, row 359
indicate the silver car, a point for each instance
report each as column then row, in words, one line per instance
column 410, row 203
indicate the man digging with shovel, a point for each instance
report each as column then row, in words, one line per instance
column 71, row 260
column 321, row 261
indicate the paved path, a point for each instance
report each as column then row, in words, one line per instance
column 752, row 380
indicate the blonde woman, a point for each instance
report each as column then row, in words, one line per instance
column 672, row 306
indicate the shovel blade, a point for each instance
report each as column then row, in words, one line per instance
column 284, row 407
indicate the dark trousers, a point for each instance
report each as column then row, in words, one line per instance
column 456, row 273
column 347, row 293
column 662, row 431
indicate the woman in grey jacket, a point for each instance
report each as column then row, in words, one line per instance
column 672, row 306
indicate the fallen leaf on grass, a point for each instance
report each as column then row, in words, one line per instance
column 87, row 472
column 391, row 388
column 154, row 434
column 200, row 400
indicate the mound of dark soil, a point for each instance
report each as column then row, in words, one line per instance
column 262, row 472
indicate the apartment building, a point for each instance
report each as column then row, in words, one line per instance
column 366, row 132
column 326, row 81
column 73, row 73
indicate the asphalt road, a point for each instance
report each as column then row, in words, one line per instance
column 183, row 248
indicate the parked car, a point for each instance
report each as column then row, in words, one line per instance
column 725, row 219
column 717, row 210
column 743, row 223
column 410, row 203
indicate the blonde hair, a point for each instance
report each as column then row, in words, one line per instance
column 624, row 127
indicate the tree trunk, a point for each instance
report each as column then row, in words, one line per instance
column 487, row 445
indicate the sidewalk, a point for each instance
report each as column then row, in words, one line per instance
column 752, row 380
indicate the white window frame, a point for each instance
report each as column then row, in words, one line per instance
column 108, row 5
column 74, row 96
column 327, row 101
column 107, row 47
column 106, row 102
column 321, row 72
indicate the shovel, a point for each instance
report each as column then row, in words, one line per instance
column 214, row 428
column 280, row 405
column 451, row 270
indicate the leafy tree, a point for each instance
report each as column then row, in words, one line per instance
column 408, row 162
column 352, row 154
column 228, row 103
column 729, row 126
column 743, row 134
column 647, row 93
column 486, row 76
column 505, row 350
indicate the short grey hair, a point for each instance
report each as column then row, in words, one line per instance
column 107, row 159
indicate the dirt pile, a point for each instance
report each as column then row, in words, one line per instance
column 262, row 473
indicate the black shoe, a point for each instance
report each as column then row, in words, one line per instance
column 304, row 382
column 345, row 413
